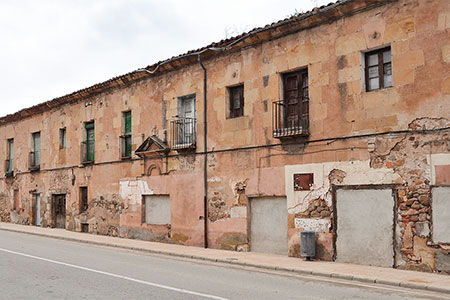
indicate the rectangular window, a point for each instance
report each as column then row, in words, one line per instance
column 62, row 138
column 378, row 69
column 83, row 198
column 35, row 154
column 88, row 149
column 183, row 128
column 9, row 164
column 236, row 101
column 126, row 141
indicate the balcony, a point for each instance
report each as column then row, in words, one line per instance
column 34, row 161
column 290, row 120
column 183, row 133
column 9, row 172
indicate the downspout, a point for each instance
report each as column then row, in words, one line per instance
column 205, row 156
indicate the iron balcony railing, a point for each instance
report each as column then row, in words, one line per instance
column 183, row 133
column 34, row 160
column 8, row 168
column 289, row 123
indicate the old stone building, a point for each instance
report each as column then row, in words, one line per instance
column 336, row 120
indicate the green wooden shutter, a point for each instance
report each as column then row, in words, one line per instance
column 127, row 122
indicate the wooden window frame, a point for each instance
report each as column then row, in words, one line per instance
column 62, row 138
column 126, row 137
column 381, row 68
column 89, row 157
column 236, row 112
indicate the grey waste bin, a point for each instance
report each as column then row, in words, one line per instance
column 308, row 244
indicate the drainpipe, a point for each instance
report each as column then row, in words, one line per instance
column 205, row 157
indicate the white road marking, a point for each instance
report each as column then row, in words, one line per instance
column 166, row 287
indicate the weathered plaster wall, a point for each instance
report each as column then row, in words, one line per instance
column 418, row 34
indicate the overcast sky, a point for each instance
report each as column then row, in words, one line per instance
column 50, row 48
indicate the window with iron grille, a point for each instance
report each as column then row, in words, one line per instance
column 236, row 101
column 378, row 69
column 290, row 116
column 125, row 138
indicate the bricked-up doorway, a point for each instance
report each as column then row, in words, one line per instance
column 268, row 225
column 365, row 226
column 59, row 210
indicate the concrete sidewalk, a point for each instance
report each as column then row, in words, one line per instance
column 386, row 276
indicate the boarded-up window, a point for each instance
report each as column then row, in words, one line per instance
column 156, row 209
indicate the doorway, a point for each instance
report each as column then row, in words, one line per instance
column 269, row 225
column 59, row 210
column 365, row 226
column 36, row 209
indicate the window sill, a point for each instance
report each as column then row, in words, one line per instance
column 378, row 90
column 126, row 158
column 88, row 163
column 34, row 168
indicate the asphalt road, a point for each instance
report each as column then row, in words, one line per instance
column 34, row 267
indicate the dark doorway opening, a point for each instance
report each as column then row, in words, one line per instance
column 59, row 210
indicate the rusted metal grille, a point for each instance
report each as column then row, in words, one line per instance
column 303, row 182
column 285, row 127
column 183, row 133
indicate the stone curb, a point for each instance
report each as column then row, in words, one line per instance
column 416, row 286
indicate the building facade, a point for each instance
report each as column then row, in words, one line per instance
column 335, row 121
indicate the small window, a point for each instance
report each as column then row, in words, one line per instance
column 62, row 138
column 9, row 163
column 83, row 198
column 126, row 141
column 378, row 69
column 35, row 153
column 236, row 101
